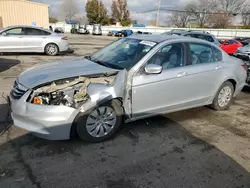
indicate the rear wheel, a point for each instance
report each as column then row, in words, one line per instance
column 100, row 123
column 223, row 97
column 51, row 49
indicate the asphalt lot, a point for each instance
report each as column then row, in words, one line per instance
column 197, row 148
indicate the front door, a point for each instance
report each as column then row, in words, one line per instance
column 12, row 40
column 156, row 93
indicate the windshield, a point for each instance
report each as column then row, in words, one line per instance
column 123, row 54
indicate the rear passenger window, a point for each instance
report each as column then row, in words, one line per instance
column 202, row 53
column 31, row 31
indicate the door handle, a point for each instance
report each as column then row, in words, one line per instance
column 182, row 74
column 218, row 67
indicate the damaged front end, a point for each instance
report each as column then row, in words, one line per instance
column 71, row 92
column 75, row 92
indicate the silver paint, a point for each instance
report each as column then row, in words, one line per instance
column 142, row 94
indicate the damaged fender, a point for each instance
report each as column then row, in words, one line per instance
column 100, row 93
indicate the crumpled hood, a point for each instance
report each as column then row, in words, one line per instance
column 244, row 49
column 59, row 70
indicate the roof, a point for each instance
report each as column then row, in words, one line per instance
column 161, row 38
column 196, row 32
column 155, row 38
column 27, row 26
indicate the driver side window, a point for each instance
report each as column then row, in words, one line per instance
column 15, row 31
column 169, row 56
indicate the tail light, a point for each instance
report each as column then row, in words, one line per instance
column 65, row 38
column 244, row 66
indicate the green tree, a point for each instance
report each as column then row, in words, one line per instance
column 96, row 12
column 53, row 20
column 120, row 12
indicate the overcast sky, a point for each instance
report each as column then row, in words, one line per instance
column 135, row 6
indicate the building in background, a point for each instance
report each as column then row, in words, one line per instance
column 22, row 12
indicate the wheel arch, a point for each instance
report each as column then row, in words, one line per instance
column 51, row 43
column 73, row 131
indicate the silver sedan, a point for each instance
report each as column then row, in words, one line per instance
column 32, row 39
column 133, row 78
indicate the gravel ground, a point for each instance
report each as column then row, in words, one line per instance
column 197, row 148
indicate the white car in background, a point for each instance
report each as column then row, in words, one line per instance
column 32, row 39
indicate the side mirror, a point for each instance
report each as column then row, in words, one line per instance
column 3, row 33
column 153, row 69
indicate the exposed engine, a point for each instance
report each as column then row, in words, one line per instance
column 68, row 92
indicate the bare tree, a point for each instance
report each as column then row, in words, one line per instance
column 246, row 14
column 220, row 20
column 229, row 6
column 180, row 19
column 224, row 11
column 199, row 10
column 69, row 9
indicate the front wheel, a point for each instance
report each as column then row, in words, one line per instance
column 51, row 49
column 100, row 123
column 223, row 97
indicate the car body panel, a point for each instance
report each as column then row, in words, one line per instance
column 141, row 95
column 49, row 72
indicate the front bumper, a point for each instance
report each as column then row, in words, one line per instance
column 48, row 122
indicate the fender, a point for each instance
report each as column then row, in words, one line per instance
column 100, row 93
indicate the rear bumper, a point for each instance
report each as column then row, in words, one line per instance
column 63, row 45
column 48, row 122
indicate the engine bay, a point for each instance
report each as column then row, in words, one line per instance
column 70, row 92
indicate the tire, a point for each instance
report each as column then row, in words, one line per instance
column 225, row 93
column 92, row 126
column 51, row 49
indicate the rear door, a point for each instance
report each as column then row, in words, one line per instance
column 204, row 68
column 34, row 39
column 11, row 40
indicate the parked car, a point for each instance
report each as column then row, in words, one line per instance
column 229, row 46
column 83, row 30
column 195, row 34
column 243, row 40
column 144, row 33
column 202, row 35
column 32, row 39
column 132, row 78
column 118, row 34
column 112, row 33
column 123, row 33
column 175, row 32
column 59, row 30
column 243, row 53
column 97, row 29
column 127, row 32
